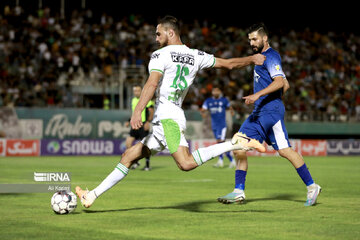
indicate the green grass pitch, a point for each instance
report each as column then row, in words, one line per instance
column 167, row 203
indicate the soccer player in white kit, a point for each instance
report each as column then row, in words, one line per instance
column 172, row 70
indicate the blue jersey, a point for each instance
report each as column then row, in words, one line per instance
column 266, row 123
column 217, row 108
column 263, row 77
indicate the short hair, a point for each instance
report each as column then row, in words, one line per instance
column 217, row 86
column 258, row 27
column 170, row 22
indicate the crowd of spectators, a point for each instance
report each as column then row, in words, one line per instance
column 41, row 55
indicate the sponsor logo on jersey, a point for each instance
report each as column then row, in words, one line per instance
column 155, row 55
column 183, row 58
column 256, row 76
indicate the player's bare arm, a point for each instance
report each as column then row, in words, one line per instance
column 203, row 112
column 146, row 95
column 232, row 111
column 150, row 118
column 286, row 85
column 277, row 84
column 257, row 59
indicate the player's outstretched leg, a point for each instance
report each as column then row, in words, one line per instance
column 87, row 198
column 246, row 143
column 238, row 142
column 121, row 170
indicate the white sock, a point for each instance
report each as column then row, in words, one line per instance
column 113, row 178
column 205, row 154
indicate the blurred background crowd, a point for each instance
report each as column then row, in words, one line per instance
column 50, row 61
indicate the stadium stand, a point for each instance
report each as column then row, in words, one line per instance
column 48, row 61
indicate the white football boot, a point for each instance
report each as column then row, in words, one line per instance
column 245, row 143
column 233, row 197
column 314, row 191
column 86, row 197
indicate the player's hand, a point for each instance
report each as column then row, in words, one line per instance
column 258, row 59
column 286, row 86
column 136, row 121
column 251, row 99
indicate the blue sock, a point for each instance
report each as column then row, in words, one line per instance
column 240, row 177
column 221, row 157
column 228, row 154
column 305, row 175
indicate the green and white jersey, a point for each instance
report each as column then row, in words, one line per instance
column 179, row 66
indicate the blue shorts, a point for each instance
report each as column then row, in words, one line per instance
column 269, row 128
column 219, row 133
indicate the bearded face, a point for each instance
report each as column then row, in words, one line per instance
column 162, row 38
column 256, row 42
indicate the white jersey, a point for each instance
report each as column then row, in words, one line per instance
column 179, row 66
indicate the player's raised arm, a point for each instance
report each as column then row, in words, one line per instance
column 146, row 95
column 257, row 59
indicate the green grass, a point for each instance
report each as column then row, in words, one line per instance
column 166, row 203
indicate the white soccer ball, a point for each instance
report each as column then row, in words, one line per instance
column 63, row 202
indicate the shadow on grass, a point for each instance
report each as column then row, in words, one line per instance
column 188, row 207
column 198, row 206
column 282, row 197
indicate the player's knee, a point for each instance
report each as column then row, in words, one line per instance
column 239, row 154
column 284, row 152
column 186, row 166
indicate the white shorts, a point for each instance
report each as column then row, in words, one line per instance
column 166, row 134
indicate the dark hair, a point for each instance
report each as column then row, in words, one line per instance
column 258, row 27
column 217, row 86
column 170, row 22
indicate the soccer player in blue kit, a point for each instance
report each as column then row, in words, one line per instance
column 266, row 123
column 217, row 106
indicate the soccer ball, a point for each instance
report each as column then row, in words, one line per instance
column 63, row 202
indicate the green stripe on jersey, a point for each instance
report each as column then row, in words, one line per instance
column 214, row 62
column 158, row 70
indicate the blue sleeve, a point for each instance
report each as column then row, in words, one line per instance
column 273, row 65
column 226, row 102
